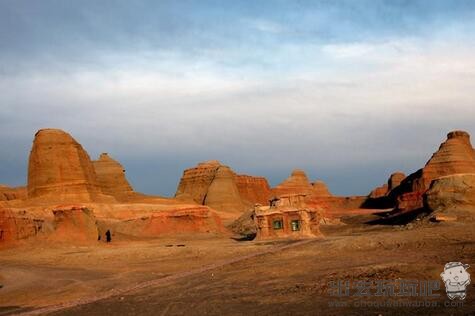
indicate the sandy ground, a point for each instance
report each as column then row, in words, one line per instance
column 222, row 276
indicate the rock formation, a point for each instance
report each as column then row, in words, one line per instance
column 452, row 197
column 320, row 189
column 8, row 194
column 455, row 155
column 60, row 169
column 17, row 225
column 253, row 189
column 379, row 192
column 395, row 180
column 212, row 184
column 157, row 220
column 195, row 181
column 74, row 224
column 297, row 183
column 111, row 177
column 60, row 172
column 223, row 193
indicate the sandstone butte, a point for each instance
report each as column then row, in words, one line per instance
column 454, row 156
column 69, row 195
column 394, row 180
column 212, row 184
column 316, row 194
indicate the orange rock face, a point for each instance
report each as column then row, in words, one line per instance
column 157, row 220
column 17, row 225
column 59, row 169
column 379, row 192
column 253, row 189
column 452, row 196
column 456, row 155
column 223, row 193
column 320, row 189
column 212, row 184
column 8, row 194
column 297, row 183
column 111, row 177
column 195, row 181
column 60, row 172
column 74, row 224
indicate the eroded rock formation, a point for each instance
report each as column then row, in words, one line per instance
column 17, row 225
column 297, row 183
column 111, row 177
column 452, row 197
column 223, row 193
column 60, row 169
column 395, row 180
column 195, row 181
column 74, row 224
column 320, row 189
column 8, row 193
column 253, row 189
column 455, row 155
column 60, row 172
column 217, row 186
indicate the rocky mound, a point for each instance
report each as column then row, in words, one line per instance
column 111, row 177
column 244, row 225
column 297, row 183
column 74, row 224
column 8, row 193
column 320, row 189
column 452, row 197
column 455, row 155
column 60, row 169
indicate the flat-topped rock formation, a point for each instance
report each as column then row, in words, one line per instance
column 215, row 185
column 253, row 189
column 195, row 181
column 19, row 224
column 74, row 224
column 60, row 169
column 7, row 193
column 111, row 177
column 394, row 180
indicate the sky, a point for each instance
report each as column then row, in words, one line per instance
column 349, row 91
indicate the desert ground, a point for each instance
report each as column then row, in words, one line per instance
column 205, row 275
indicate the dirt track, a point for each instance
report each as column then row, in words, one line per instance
column 295, row 281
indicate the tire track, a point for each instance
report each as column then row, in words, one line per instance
column 159, row 282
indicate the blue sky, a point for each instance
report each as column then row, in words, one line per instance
column 350, row 91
